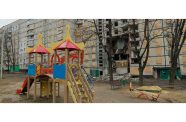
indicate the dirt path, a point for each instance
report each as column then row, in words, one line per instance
column 103, row 93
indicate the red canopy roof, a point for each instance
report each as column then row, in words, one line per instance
column 40, row 49
column 67, row 44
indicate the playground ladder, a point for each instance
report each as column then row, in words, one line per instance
column 86, row 85
column 78, row 88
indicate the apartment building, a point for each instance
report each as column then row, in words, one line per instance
column 124, row 56
column 85, row 32
column 24, row 33
column 95, row 57
column 1, row 37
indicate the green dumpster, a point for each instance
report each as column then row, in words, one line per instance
column 178, row 74
column 164, row 74
column 14, row 69
column 123, row 82
column 94, row 72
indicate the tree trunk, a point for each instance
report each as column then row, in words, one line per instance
column 110, row 52
column 172, row 74
column 140, row 75
column 110, row 71
column 14, row 66
column 8, row 65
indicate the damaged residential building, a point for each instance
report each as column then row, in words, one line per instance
column 124, row 56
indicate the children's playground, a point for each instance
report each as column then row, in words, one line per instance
column 56, row 75
column 102, row 94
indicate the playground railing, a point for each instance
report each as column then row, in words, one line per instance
column 86, row 84
column 73, row 82
column 90, row 79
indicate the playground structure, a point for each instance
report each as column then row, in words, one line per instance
column 63, row 67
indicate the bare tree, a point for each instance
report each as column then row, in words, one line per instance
column 87, row 32
column 9, row 50
column 84, row 33
column 142, row 51
column 107, row 48
column 13, row 53
column 176, row 35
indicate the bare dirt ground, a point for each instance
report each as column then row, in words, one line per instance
column 103, row 93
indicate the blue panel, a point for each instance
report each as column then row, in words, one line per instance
column 31, row 70
column 59, row 71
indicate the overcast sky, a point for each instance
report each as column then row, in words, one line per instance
column 6, row 21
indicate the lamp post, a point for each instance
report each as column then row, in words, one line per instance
column 2, row 43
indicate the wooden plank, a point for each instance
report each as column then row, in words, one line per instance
column 75, row 87
column 65, row 83
column 28, row 87
column 54, row 91
column 35, row 91
column 48, row 88
column 71, row 91
column 58, row 84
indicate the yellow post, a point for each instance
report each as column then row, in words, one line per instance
column 58, row 88
column 36, row 58
column 48, row 82
column 28, row 87
column 54, row 91
column 48, row 59
column 35, row 92
column 40, row 88
column 79, row 57
column 53, row 83
column 66, row 92
column 28, row 83
column 41, row 60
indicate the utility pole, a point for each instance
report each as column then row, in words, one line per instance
column 2, row 43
